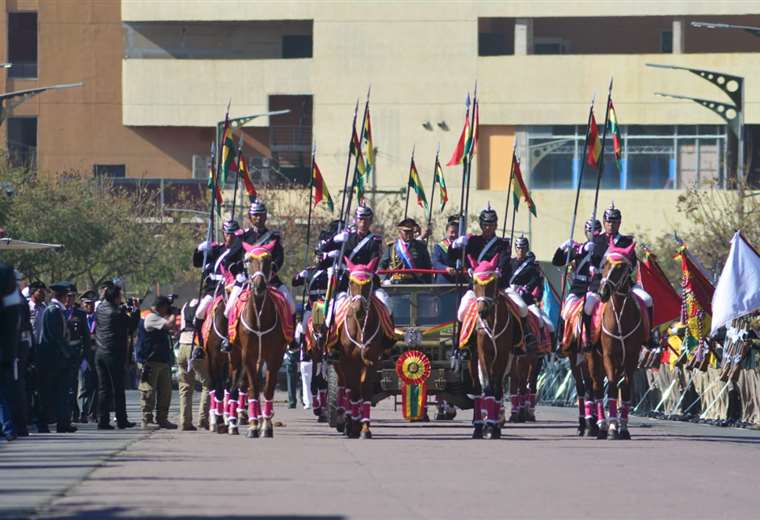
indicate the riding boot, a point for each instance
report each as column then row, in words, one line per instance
column 527, row 333
column 587, row 346
column 197, row 352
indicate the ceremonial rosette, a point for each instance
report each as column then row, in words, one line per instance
column 413, row 369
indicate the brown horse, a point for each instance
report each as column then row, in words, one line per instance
column 262, row 330
column 498, row 330
column 623, row 334
column 228, row 395
column 522, row 386
column 362, row 339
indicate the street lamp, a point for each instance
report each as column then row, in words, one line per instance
column 754, row 31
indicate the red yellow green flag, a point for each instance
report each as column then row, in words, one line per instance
column 519, row 190
column 594, row 143
column 228, row 152
column 441, row 183
column 360, row 167
column 457, row 157
column 320, row 188
column 617, row 142
column 416, row 185
column 246, row 176
column 368, row 150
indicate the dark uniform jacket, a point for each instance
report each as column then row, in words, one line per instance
column 54, row 338
column 79, row 333
column 315, row 278
column 581, row 280
column 10, row 317
column 359, row 250
column 113, row 330
column 482, row 249
column 526, row 276
column 418, row 258
column 263, row 238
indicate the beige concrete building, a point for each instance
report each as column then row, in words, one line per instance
column 159, row 74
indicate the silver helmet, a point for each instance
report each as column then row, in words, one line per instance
column 363, row 211
column 612, row 214
column 488, row 215
column 522, row 242
column 257, row 207
column 230, row 226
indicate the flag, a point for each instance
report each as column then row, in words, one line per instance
column 594, row 143
column 360, row 166
column 368, row 149
column 476, row 127
column 459, row 152
column 617, row 142
column 550, row 302
column 416, row 185
column 667, row 302
column 212, row 184
column 246, row 176
column 737, row 294
column 519, row 190
column 441, row 183
column 228, row 152
column 696, row 297
column 320, row 188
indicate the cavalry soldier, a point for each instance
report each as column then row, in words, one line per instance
column 484, row 247
column 584, row 282
column 361, row 245
column 406, row 252
column 526, row 278
column 441, row 259
column 612, row 236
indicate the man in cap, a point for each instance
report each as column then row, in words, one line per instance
column 10, row 317
column 190, row 370
column 441, row 259
column 406, row 253
column 53, row 358
column 155, row 355
column 88, row 376
column 79, row 344
column 485, row 247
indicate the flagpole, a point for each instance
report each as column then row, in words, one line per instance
column 348, row 168
column 509, row 190
column 237, row 177
column 311, row 199
column 575, row 215
column 406, row 204
column 600, row 166
column 514, row 208
column 432, row 192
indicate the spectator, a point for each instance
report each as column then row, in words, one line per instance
column 79, row 344
column 88, row 376
column 189, row 373
column 37, row 306
column 20, row 400
column 113, row 329
column 154, row 353
column 10, row 299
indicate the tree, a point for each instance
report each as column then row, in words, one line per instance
column 105, row 231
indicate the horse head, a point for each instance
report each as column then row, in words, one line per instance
column 616, row 270
column 485, row 282
column 258, row 260
column 360, row 284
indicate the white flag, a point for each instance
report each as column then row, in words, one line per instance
column 738, row 291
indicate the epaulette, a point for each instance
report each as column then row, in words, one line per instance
column 390, row 243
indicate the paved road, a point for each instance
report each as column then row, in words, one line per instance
column 670, row 470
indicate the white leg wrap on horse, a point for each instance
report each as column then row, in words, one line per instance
column 466, row 299
column 592, row 300
column 306, row 367
column 234, row 294
column 642, row 294
column 203, row 305
column 522, row 309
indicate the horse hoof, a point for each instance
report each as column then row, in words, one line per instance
column 625, row 435
column 243, row 421
column 253, row 433
column 221, row 428
column 513, row 418
column 581, row 427
column 613, row 435
column 530, row 417
column 365, row 435
column 234, row 431
column 493, row 432
column 591, row 426
column 601, row 434
column 269, row 433
column 477, row 432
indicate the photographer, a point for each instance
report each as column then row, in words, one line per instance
column 115, row 323
column 154, row 353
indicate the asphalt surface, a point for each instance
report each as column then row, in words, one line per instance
column 434, row 470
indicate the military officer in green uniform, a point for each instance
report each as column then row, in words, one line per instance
column 406, row 253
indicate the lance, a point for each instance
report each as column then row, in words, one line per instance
column 717, row 398
column 665, row 395
column 308, row 222
column 683, row 394
column 514, row 208
column 700, row 396
column 432, row 192
column 600, row 166
column 237, row 177
column 572, row 222
column 509, row 190
column 219, row 147
column 348, row 166
column 411, row 163
column 641, row 401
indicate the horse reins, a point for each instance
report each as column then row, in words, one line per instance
column 367, row 305
column 626, row 295
column 483, row 324
column 257, row 314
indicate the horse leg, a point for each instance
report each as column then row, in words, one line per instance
column 476, row 396
column 594, row 363
column 612, row 388
column 354, row 393
column 532, row 382
column 584, row 406
column 239, row 383
column 366, row 403
column 273, row 366
column 254, row 388
column 495, row 394
column 340, row 405
column 625, row 403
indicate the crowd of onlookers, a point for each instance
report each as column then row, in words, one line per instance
column 67, row 358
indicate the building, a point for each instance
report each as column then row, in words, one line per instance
column 159, row 73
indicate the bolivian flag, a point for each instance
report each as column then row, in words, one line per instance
column 320, row 188
column 519, row 190
column 594, row 143
column 464, row 138
column 416, row 185
column 228, row 153
column 246, row 176
column 617, row 142
column 441, row 183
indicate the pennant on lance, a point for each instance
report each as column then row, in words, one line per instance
column 617, row 142
column 320, row 188
column 441, row 183
column 594, row 150
column 457, row 157
column 416, row 185
column 519, row 190
column 245, row 175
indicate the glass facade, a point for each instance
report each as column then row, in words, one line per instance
column 653, row 157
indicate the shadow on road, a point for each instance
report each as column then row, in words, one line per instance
column 122, row 513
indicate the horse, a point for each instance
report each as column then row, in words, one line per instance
column 363, row 335
column 264, row 330
column 227, row 394
column 622, row 336
column 310, row 335
column 498, row 331
column 522, row 386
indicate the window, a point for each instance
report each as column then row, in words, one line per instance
column 297, row 46
column 22, row 45
column 110, row 170
column 551, row 46
column 22, row 141
column 496, row 36
column 666, row 42
column 653, row 157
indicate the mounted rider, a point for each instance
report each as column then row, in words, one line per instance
column 586, row 275
column 485, row 247
column 406, row 252
column 527, row 280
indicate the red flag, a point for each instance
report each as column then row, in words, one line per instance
column 594, row 143
column 243, row 172
column 696, row 282
column 458, row 156
column 519, row 190
column 320, row 188
column 667, row 302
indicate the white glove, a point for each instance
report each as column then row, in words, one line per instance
column 567, row 244
column 386, row 283
column 240, row 278
column 332, row 254
column 341, row 237
column 303, row 274
column 203, row 246
column 460, row 242
column 588, row 246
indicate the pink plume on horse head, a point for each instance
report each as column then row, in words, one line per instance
column 371, row 267
column 625, row 252
column 487, row 265
column 258, row 249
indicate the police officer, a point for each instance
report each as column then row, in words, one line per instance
column 584, row 281
column 440, row 258
column 191, row 370
column 406, row 252
column 10, row 304
column 88, row 375
column 80, row 344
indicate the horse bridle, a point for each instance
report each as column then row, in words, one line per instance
column 492, row 277
column 616, row 289
column 257, row 312
column 365, row 302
